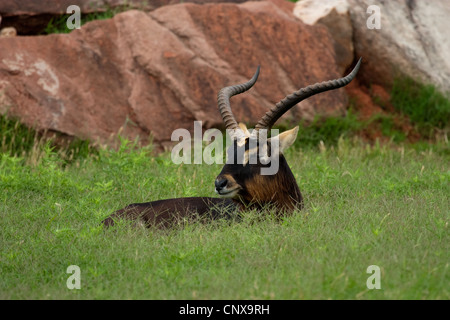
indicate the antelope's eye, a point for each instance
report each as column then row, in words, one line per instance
column 236, row 152
column 237, row 156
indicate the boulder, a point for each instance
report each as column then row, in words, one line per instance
column 413, row 41
column 335, row 15
column 8, row 32
column 33, row 7
column 30, row 17
column 152, row 73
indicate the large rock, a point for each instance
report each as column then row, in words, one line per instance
column 157, row 72
column 413, row 41
column 33, row 7
column 31, row 17
column 334, row 14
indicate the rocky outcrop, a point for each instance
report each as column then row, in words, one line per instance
column 30, row 17
column 412, row 39
column 333, row 14
column 155, row 72
column 33, row 7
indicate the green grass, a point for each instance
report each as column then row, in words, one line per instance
column 364, row 205
column 328, row 130
column 427, row 108
column 16, row 139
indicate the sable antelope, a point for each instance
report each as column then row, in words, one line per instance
column 240, row 183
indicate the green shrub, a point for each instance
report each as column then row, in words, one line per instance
column 328, row 130
column 19, row 140
column 427, row 108
column 388, row 127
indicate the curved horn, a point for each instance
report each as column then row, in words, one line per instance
column 223, row 100
column 291, row 100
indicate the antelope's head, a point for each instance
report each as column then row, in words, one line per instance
column 256, row 172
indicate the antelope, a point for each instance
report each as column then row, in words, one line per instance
column 240, row 184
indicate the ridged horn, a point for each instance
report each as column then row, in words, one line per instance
column 223, row 100
column 291, row 100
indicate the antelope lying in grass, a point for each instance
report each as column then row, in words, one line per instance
column 240, row 183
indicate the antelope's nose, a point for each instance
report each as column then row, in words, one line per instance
column 220, row 183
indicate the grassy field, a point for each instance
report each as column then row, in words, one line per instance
column 364, row 205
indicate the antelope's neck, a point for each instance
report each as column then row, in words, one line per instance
column 280, row 190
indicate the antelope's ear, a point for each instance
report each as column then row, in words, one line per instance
column 287, row 138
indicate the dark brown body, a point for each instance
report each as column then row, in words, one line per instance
column 170, row 212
